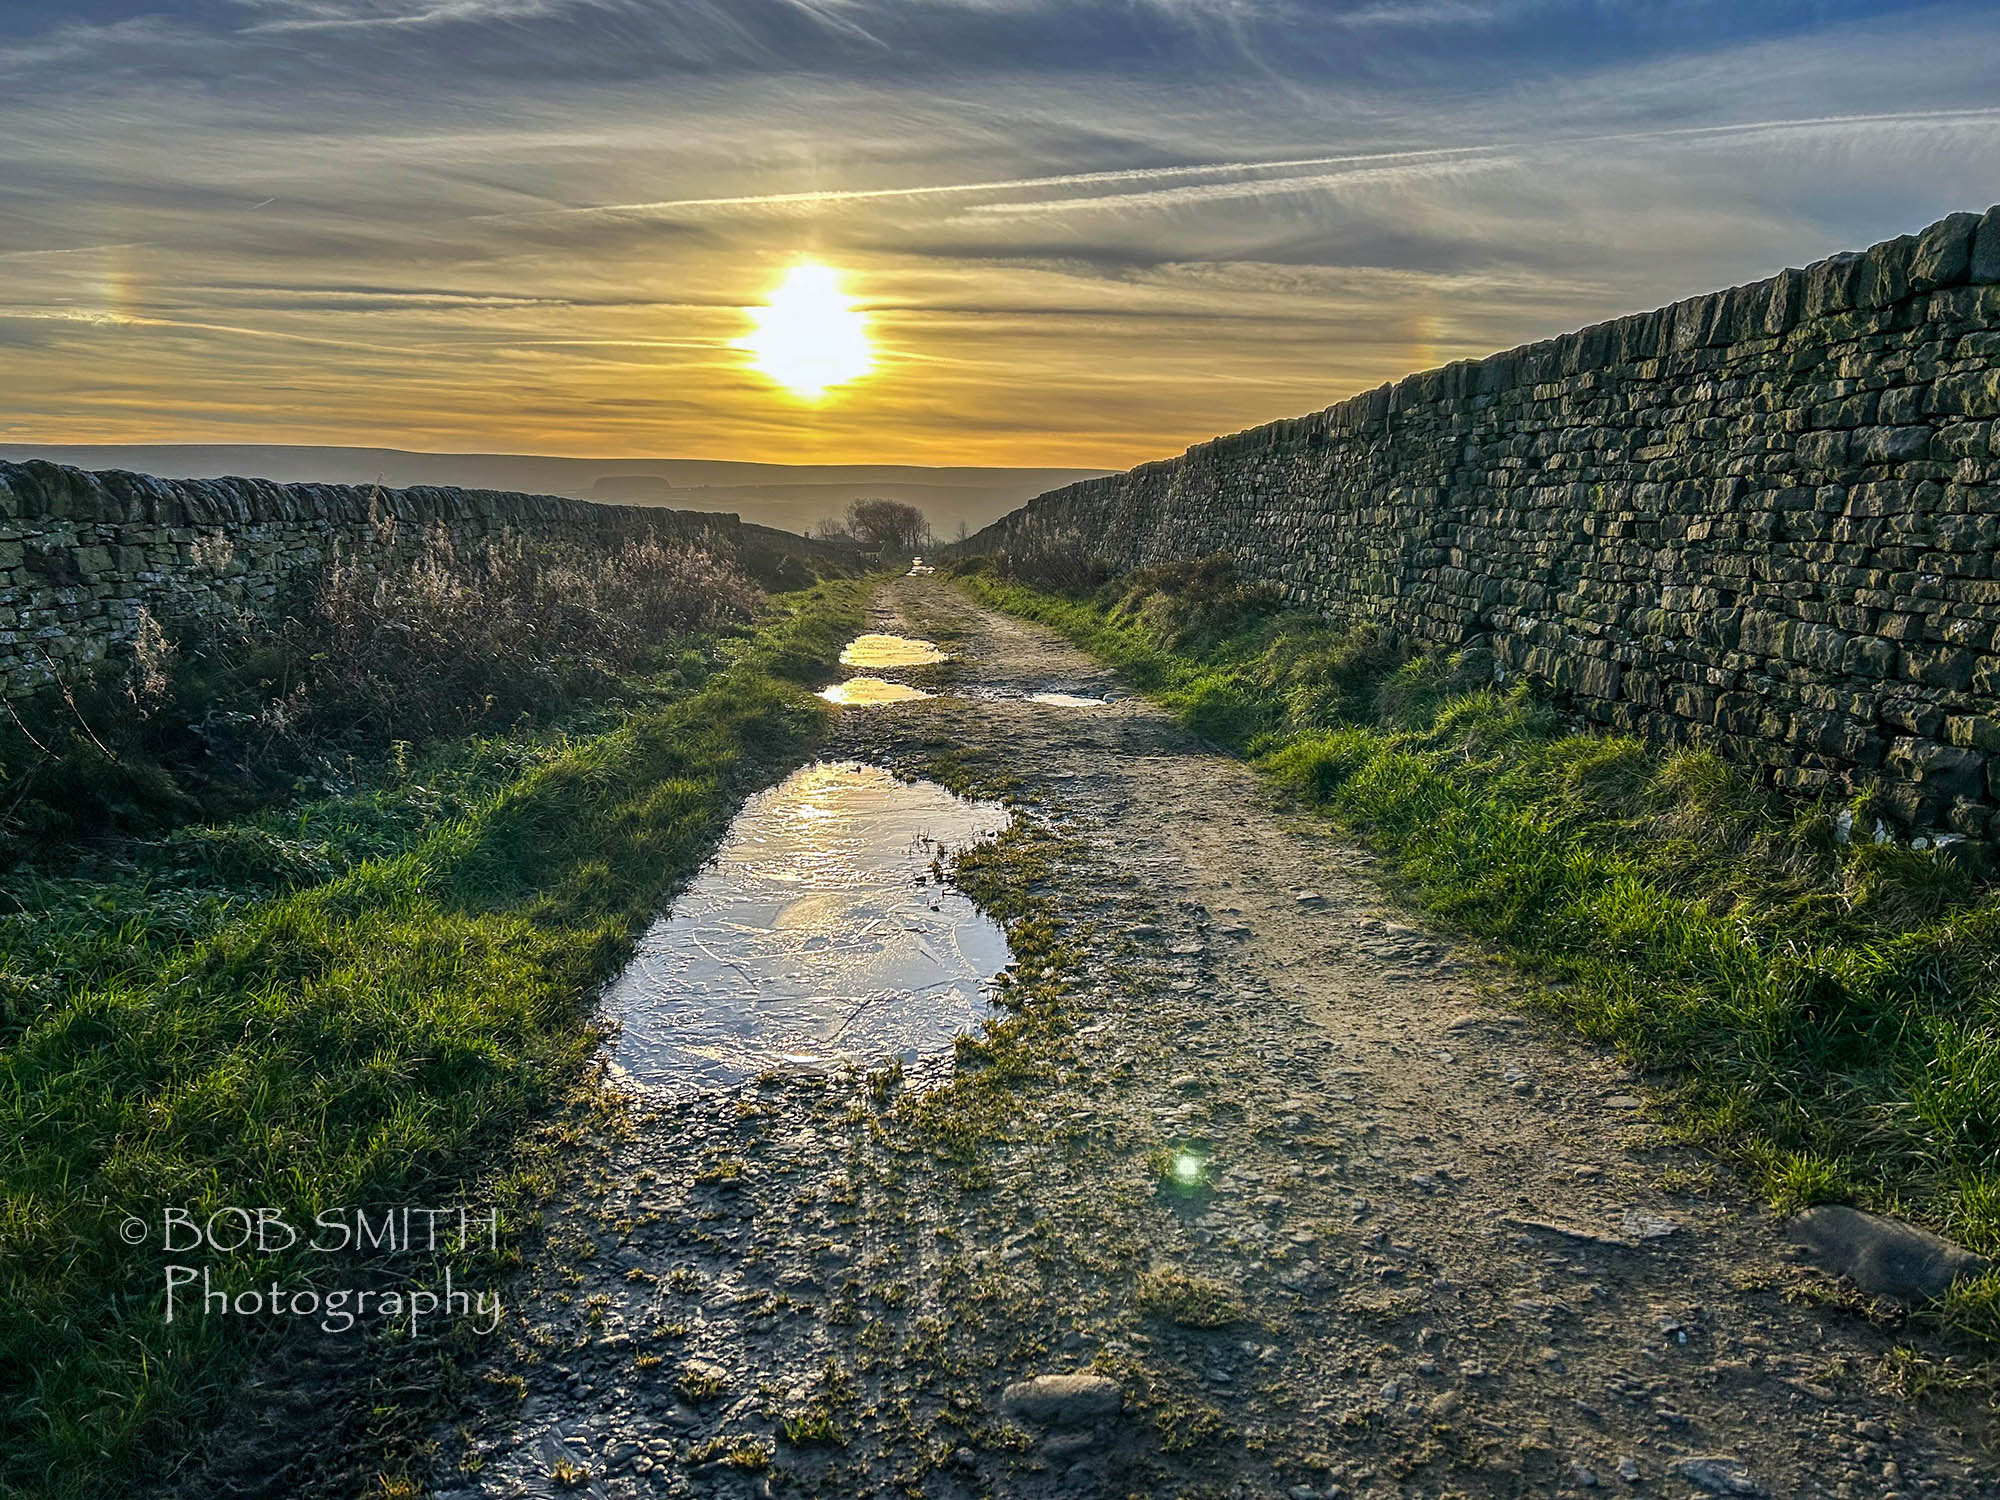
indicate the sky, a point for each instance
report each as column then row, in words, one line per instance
column 1079, row 232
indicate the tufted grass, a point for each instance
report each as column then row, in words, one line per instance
column 1823, row 1008
column 357, row 1004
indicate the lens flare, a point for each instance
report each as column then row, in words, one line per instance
column 810, row 337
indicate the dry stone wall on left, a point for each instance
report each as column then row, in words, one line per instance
column 83, row 556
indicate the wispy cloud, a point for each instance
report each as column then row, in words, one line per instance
column 1404, row 169
column 280, row 16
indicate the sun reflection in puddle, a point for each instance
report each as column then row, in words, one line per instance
column 1068, row 700
column 867, row 692
column 891, row 651
column 817, row 935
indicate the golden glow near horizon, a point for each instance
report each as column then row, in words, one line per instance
column 809, row 337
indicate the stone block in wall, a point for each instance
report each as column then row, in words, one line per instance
column 1830, row 285
column 1943, row 255
column 1984, row 264
column 1870, row 657
column 1784, row 303
column 1941, row 773
column 1970, row 393
column 1822, row 451
column 1973, row 731
column 1938, row 666
column 1692, row 703
column 1596, row 678
column 1884, row 278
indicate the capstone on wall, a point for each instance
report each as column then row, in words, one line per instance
column 1764, row 518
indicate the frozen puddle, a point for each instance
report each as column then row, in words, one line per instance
column 817, row 935
column 890, row 651
column 865, row 692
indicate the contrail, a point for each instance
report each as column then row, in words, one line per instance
column 1385, row 162
column 999, row 185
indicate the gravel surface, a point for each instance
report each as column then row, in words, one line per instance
column 1310, row 1209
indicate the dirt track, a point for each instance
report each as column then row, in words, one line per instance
column 1461, row 1259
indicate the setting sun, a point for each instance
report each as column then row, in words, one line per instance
column 809, row 337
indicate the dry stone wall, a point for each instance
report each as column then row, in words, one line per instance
column 83, row 556
column 1765, row 518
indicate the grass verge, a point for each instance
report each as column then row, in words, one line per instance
column 1822, row 1005
column 363, row 1041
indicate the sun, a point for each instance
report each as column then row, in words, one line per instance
column 809, row 338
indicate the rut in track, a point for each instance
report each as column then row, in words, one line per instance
column 1440, row 1250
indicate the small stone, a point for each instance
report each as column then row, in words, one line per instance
column 1583, row 1475
column 1063, row 1400
column 1644, row 1226
column 1623, row 1101
column 1628, row 1470
column 1720, row 1476
column 1310, row 898
column 1062, row 1445
column 1881, row 1256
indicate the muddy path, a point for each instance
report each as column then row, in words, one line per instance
column 1320, row 1214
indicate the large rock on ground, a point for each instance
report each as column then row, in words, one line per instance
column 1063, row 1400
column 1881, row 1256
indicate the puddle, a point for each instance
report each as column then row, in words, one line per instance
column 890, row 651
column 920, row 569
column 865, row 692
column 816, row 935
column 1049, row 698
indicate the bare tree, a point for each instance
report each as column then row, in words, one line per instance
column 889, row 524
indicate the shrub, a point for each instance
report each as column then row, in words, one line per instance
column 448, row 643
column 1059, row 558
column 1194, row 606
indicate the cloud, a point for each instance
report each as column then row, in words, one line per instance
column 1395, row 170
column 1102, row 228
column 73, row 42
column 280, row 16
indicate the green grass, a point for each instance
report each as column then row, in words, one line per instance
column 1190, row 1301
column 1824, row 1009
column 360, row 1004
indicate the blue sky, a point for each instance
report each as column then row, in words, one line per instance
column 1081, row 232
